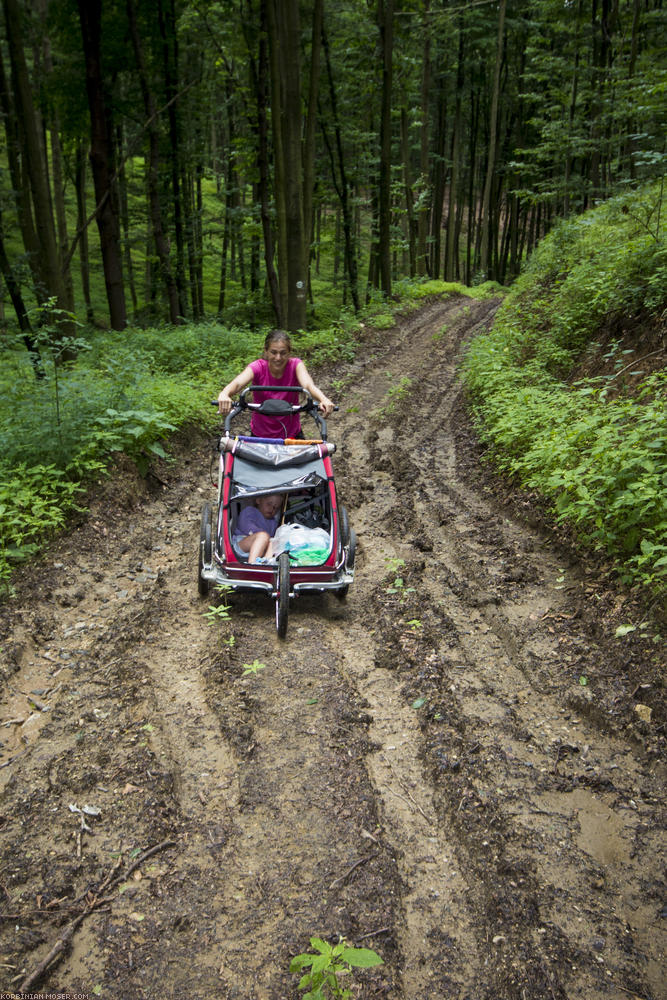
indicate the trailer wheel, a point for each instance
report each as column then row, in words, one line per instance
column 352, row 550
column 282, row 597
column 344, row 526
column 205, row 549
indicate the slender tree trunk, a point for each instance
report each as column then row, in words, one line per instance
column 290, row 72
column 226, row 235
column 101, row 160
column 261, row 87
column 15, row 295
column 422, row 264
column 277, row 112
column 485, row 252
column 82, row 228
column 35, row 155
column 571, row 115
column 438, row 182
column 341, row 185
column 159, row 235
column 54, row 131
column 386, row 25
column 452, row 249
column 20, row 182
column 167, row 25
column 199, row 240
column 411, row 225
column 311, row 125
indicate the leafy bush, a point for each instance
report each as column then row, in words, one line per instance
column 600, row 460
column 125, row 392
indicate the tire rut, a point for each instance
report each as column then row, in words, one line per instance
column 417, row 768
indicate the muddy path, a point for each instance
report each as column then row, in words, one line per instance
column 459, row 766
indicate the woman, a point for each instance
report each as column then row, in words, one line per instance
column 276, row 368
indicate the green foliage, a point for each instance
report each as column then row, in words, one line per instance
column 599, row 459
column 486, row 290
column 397, row 585
column 123, row 393
column 395, row 394
column 252, row 669
column 327, row 964
column 220, row 612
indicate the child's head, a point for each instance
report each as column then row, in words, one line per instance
column 270, row 504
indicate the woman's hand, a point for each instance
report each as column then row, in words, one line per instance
column 224, row 403
column 326, row 407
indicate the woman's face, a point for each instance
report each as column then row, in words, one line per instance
column 277, row 355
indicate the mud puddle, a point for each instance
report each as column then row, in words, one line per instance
column 447, row 767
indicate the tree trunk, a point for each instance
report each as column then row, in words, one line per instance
column 438, row 181
column 35, row 154
column 485, row 251
column 386, row 25
column 169, row 36
column 161, row 243
column 82, row 227
column 422, row 265
column 284, row 31
column 273, row 32
column 411, row 225
column 54, row 130
column 19, row 180
column 15, row 295
column 310, row 127
column 342, row 187
column 452, row 247
column 261, row 87
column 101, row 160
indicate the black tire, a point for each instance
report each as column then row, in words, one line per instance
column 282, row 597
column 205, row 549
column 344, row 526
column 352, row 550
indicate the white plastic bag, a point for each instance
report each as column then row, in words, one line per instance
column 305, row 544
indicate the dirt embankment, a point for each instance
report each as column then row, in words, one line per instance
column 459, row 766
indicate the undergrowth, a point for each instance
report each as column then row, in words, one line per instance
column 125, row 392
column 598, row 456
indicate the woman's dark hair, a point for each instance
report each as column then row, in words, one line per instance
column 278, row 335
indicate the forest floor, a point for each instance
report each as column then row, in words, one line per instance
column 464, row 771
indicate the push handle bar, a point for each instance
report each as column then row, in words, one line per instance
column 243, row 403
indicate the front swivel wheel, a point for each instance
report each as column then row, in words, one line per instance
column 205, row 549
column 282, row 595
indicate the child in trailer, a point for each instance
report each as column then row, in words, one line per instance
column 257, row 525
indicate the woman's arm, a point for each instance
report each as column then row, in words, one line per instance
column 236, row 384
column 325, row 405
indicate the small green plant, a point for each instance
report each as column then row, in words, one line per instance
column 219, row 612
column 252, row 669
column 326, row 964
column 414, row 624
column 395, row 565
column 396, row 394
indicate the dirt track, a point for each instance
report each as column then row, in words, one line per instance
column 451, row 770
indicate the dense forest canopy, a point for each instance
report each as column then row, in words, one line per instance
column 168, row 159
